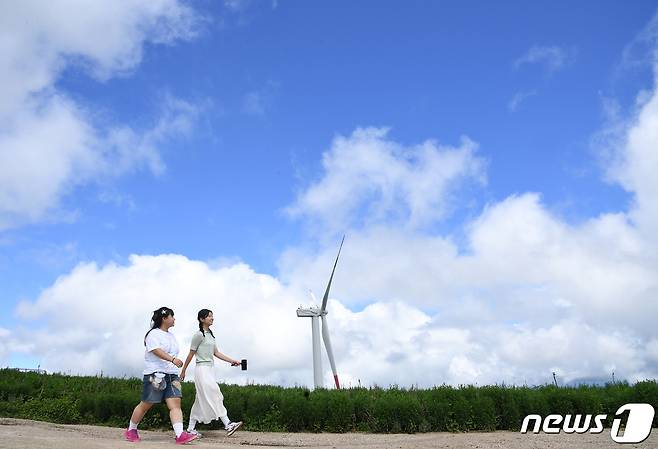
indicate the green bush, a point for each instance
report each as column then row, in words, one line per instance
column 107, row 401
column 59, row 410
column 438, row 404
column 294, row 410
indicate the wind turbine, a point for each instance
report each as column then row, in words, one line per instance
column 316, row 315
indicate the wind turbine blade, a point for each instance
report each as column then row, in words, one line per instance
column 330, row 352
column 326, row 293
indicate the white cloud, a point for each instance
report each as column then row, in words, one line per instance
column 519, row 98
column 94, row 319
column 553, row 57
column 48, row 143
column 372, row 179
column 636, row 162
column 52, row 149
column 523, row 265
column 39, row 40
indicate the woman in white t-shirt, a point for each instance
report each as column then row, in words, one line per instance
column 209, row 401
column 161, row 381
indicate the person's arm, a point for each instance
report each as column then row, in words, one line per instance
column 225, row 358
column 187, row 362
column 159, row 352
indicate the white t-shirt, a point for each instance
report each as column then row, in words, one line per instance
column 166, row 341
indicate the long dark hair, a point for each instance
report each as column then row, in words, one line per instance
column 202, row 315
column 156, row 319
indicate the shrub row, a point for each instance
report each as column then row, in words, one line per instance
column 109, row 401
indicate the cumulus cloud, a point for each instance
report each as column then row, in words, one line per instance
column 537, row 250
column 637, row 161
column 369, row 178
column 583, row 297
column 552, row 57
column 40, row 40
column 49, row 143
column 51, row 151
column 94, row 319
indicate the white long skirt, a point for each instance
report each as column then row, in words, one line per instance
column 209, row 400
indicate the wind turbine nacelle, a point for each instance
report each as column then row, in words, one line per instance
column 311, row 312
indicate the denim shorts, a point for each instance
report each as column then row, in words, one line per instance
column 153, row 395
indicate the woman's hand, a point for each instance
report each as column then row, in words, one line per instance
column 235, row 363
column 177, row 362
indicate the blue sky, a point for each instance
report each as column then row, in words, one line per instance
column 237, row 106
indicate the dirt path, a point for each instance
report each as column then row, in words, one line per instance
column 23, row 434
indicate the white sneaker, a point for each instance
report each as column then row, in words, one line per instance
column 232, row 427
column 195, row 432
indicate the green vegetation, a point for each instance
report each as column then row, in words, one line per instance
column 108, row 401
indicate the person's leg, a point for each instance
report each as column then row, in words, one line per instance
column 175, row 414
column 149, row 397
column 223, row 412
column 139, row 412
column 229, row 425
column 173, row 394
column 193, row 412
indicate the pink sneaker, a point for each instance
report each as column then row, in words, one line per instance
column 185, row 438
column 131, row 435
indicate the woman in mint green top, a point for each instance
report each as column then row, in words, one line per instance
column 209, row 401
column 203, row 342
